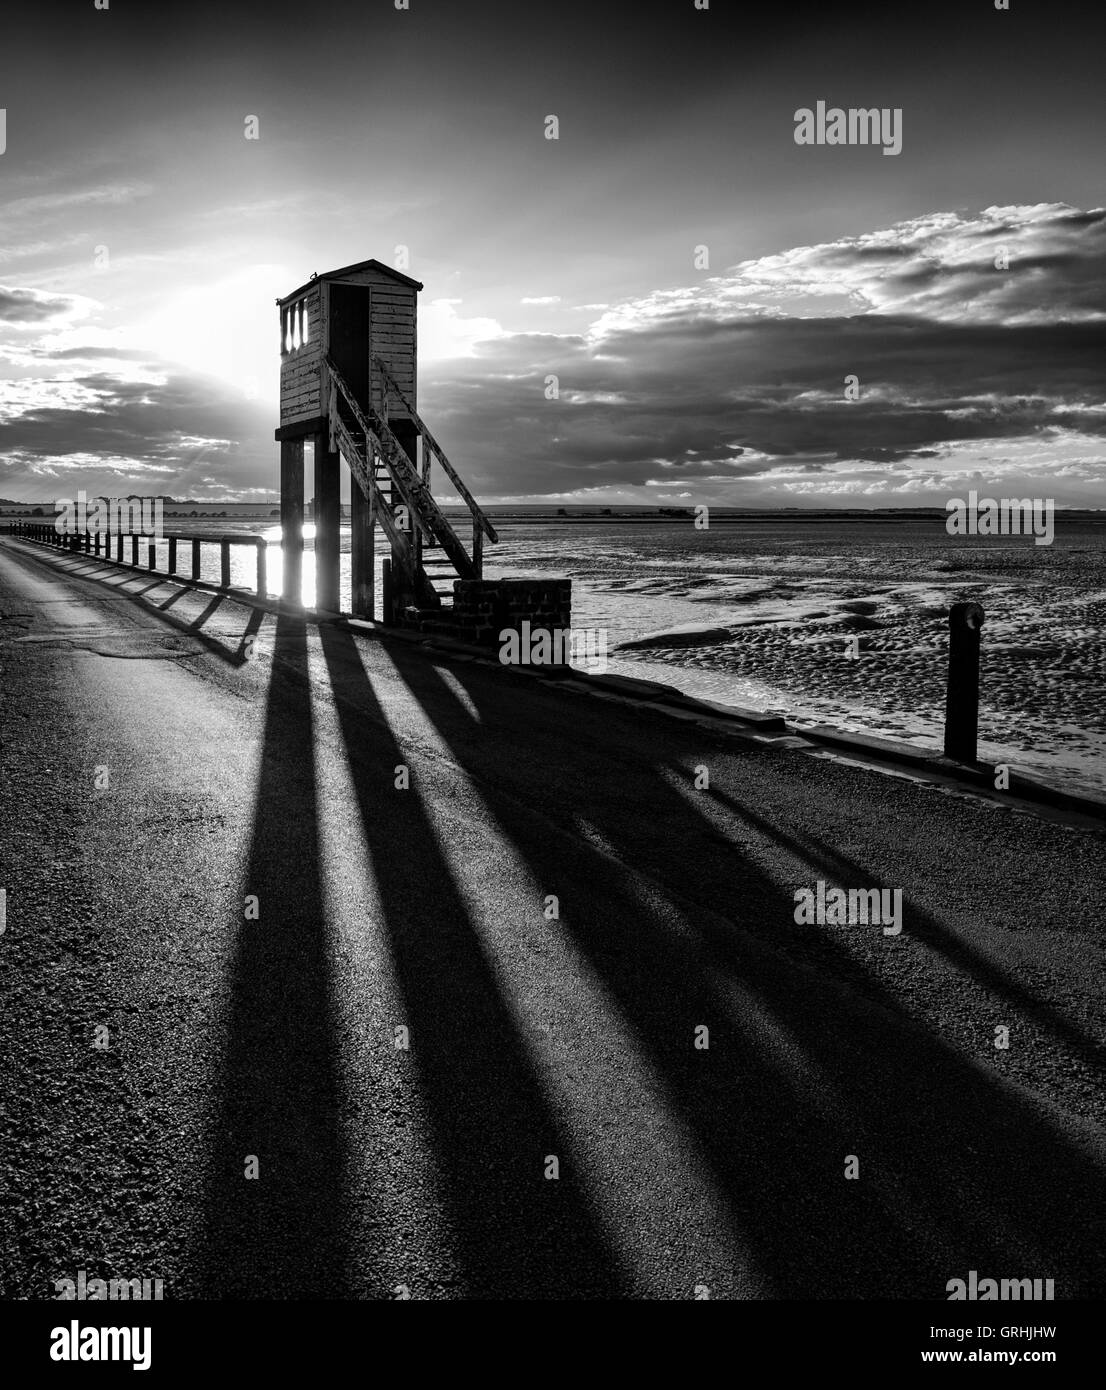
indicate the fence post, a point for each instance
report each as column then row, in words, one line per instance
column 224, row 563
column 262, row 568
column 172, row 562
column 195, row 558
column 134, row 551
column 962, row 694
column 151, row 555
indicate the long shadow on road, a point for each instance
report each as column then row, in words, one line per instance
column 957, row 1169
column 284, row 1233
column 512, row 1233
column 925, row 927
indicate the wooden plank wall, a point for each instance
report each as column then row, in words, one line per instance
column 300, row 390
column 394, row 338
column 394, row 328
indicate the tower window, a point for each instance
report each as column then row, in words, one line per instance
column 293, row 327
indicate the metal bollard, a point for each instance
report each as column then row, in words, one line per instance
column 962, row 694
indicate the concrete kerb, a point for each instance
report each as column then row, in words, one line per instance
column 769, row 728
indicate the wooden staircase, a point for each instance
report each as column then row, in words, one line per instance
column 427, row 553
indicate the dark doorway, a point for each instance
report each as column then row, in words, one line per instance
column 349, row 336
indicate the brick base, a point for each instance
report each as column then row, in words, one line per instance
column 483, row 608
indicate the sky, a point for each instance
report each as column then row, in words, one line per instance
column 707, row 293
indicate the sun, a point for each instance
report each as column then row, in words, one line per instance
column 228, row 329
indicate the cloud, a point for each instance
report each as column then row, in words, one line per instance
column 707, row 387
column 941, row 266
column 27, row 307
column 40, row 204
column 174, row 433
column 775, row 387
column 541, row 299
column 444, row 333
column 945, row 362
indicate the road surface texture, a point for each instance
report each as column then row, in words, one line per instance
column 353, row 1049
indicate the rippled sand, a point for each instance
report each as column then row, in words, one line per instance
column 848, row 623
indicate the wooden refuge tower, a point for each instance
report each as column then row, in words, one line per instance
column 348, row 382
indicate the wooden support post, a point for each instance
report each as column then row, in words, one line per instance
column 171, row 565
column 195, row 559
column 262, row 567
column 388, row 597
column 134, row 551
column 224, row 563
column 119, row 548
column 151, row 556
column 328, row 522
column 478, row 547
column 407, row 433
column 362, row 555
column 291, row 519
column 962, row 695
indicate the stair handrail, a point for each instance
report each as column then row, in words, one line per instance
column 373, row 441
column 400, row 540
column 431, row 520
column 478, row 514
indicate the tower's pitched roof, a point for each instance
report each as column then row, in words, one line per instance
column 371, row 264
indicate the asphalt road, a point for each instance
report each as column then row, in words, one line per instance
column 156, row 778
